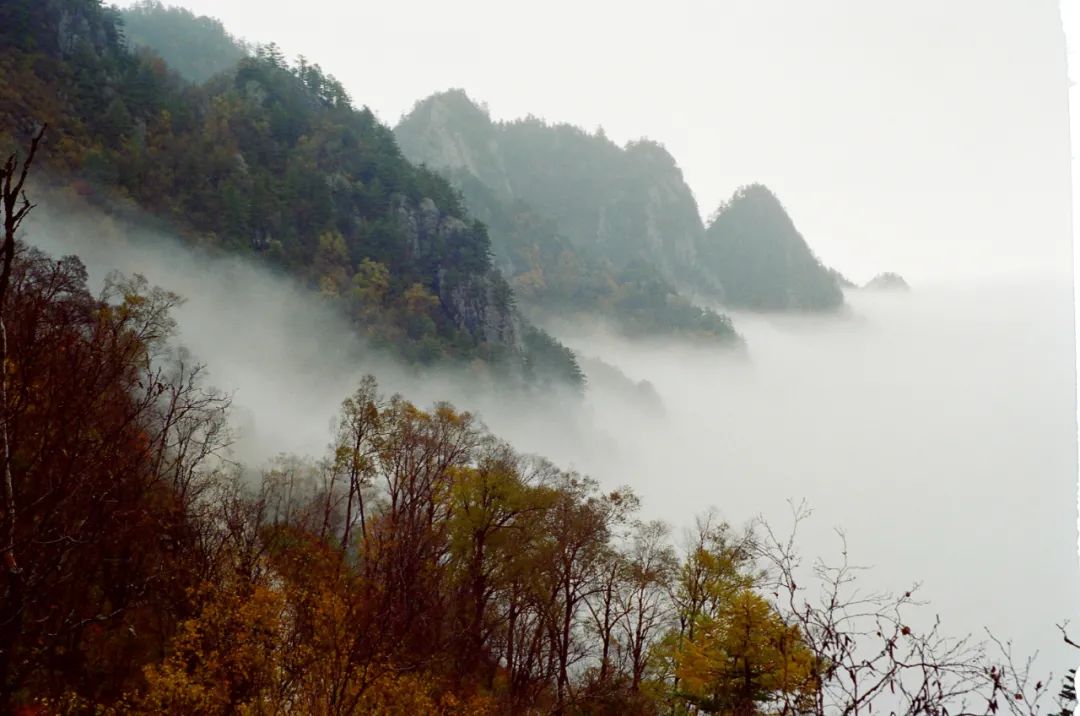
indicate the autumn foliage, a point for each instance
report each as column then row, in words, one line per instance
column 422, row 566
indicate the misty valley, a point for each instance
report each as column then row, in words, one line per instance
column 307, row 413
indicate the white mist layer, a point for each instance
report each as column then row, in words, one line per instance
column 937, row 427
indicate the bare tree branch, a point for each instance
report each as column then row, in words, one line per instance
column 14, row 213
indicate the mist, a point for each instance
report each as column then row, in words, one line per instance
column 288, row 359
column 936, row 428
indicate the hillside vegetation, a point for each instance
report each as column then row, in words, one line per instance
column 270, row 160
column 420, row 565
column 195, row 46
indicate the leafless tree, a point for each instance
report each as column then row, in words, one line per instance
column 16, row 207
column 869, row 657
column 650, row 566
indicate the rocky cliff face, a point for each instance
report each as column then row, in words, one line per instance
column 621, row 204
column 448, row 131
column 479, row 303
column 58, row 28
column 672, row 227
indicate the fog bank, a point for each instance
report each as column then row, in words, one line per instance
column 937, row 427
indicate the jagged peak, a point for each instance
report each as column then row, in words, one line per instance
column 753, row 193
column 782, row 272
column 457, row 103
column 454, row 100
column 651, row 150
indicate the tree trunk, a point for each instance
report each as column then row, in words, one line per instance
column 11, row 613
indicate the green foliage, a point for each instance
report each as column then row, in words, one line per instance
column 762, row 261
column 550, row 361
column 266, row 159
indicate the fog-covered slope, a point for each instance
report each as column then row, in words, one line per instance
column 624, row 206
column 761, row 259
column 198, row 47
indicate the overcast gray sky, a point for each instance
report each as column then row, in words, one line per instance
column 919, row 136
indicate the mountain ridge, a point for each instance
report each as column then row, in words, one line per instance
column 626, row 205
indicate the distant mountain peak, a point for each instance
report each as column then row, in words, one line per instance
column 653, row 151
column 623, row 205
column 454, row 99
column 617, row 203
column 888, row 281
column 754, row 194
column 762, row 260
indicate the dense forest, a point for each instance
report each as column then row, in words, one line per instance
column 272, row 160
column 421, row 565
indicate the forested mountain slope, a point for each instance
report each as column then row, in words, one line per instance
column 761, row 259
column 576, row 223
column 197, row 47
column 420, row 565
column 551, row 275
column 624, row 204
column 274, row 161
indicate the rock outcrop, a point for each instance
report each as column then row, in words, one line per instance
column 619, row 206
column 480, row 304
column 622, row 204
